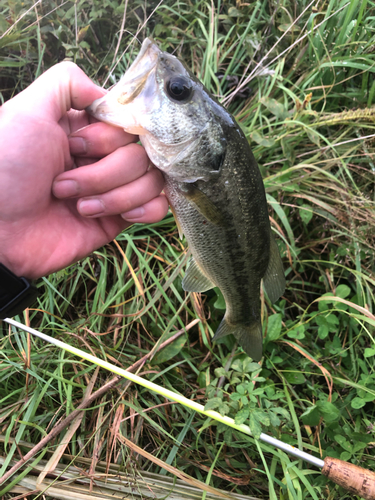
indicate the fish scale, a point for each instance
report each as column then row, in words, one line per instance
column 240, row 244
column 213, row 184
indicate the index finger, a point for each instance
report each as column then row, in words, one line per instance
column 98, row 139
column 62, row 87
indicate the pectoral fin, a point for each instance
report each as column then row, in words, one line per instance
column 180, row 231
column 194, row 280
column 202, row 203
column 274, row 279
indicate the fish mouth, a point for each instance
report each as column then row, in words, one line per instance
column 110, row 108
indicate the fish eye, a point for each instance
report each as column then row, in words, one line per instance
column 179, row 88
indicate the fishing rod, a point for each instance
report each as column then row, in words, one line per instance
column 353, row 478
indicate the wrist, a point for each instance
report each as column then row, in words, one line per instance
column 15, row 257
column 12, row 264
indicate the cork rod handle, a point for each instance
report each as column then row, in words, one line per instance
column 351, row 477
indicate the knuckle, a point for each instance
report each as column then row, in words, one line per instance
column 137, row 150
column 68, row 65
column 65, row 68
column 126, row 205
column 137, row 155
column 157, row 177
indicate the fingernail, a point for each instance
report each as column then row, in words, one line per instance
column 137, row 213
column 91, row 207
column 77, row 145
column 65, row 189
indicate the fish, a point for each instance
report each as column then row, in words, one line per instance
column 212, row 182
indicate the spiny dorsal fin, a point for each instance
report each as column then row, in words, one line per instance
column 194, row 280
column 274, row 278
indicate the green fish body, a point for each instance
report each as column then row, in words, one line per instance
column 213, row 184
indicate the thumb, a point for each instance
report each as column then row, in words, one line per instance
column 62, row 87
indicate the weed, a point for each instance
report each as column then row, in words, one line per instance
column 299, row 79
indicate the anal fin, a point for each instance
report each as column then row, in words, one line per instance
column 194, row 279
column 274, row 278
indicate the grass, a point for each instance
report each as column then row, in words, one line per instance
column 308, row 111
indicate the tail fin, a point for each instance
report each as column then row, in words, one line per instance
column 250, row 337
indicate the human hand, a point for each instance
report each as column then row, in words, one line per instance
column 51, row 213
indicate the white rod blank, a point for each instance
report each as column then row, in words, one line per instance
column 291, row 450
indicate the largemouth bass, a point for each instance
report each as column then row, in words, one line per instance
column 213, row 185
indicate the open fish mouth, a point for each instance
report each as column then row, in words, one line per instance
column 141, row 103
column 109, row 108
